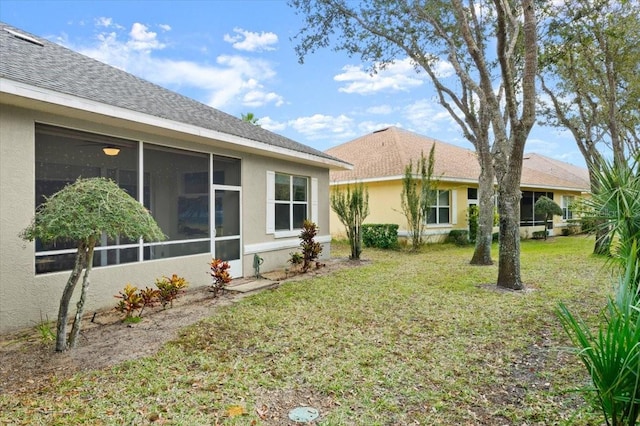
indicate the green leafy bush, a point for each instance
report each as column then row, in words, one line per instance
column 295, row 259
column 472, row 213
column 459, row 237
column 539, row 235
column 130, row 300
column 170, row 288
column 382, row 236
column 133, row 299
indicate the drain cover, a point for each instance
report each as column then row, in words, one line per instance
column 303, row 414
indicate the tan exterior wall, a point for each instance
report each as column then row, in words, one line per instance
column 385, row 207
column 558, row 222
column 27, row 298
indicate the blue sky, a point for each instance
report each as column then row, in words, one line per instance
column 238, row 56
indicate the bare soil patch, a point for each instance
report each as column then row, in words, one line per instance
column 28, row 362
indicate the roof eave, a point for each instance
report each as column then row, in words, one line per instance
column 458, row 180
column 38, row 94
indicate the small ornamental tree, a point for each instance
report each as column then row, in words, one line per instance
column 352, row 207
column 548, row 208
column 417, row 195
column 83, row 212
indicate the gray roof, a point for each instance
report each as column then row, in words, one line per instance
column 50, row 66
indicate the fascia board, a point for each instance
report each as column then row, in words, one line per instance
column 35, row 93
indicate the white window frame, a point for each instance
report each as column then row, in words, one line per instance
column 567, row 213
column 452, row 206
column 311, row 203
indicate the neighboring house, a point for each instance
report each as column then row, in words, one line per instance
column 217, row 186
column 380, row 158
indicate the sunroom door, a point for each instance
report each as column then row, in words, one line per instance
column 226, row 230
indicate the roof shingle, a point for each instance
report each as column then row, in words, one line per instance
column 385, row 153
column 50, row 66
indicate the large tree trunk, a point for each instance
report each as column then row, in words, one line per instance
column 509, row 252
column 75, row 330
column 63, row 310
column 484, row 237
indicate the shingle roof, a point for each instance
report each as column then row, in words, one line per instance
column 50, row 66
column 385, row 153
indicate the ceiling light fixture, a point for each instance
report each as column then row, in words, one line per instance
column 111, row 150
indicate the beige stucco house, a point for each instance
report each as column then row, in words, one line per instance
column 217, row 186
column 379, row 160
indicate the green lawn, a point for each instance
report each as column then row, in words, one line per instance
column 406, row 339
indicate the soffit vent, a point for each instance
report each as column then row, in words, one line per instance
column 24, row 37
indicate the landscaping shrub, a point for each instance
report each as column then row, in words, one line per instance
column 310, row 248
column 170, row 288
column 459, row 237
column 352, row 207
column 473, row 212
column 539, row 235
column 382, row 236
column 133, row 299
column 220, row 276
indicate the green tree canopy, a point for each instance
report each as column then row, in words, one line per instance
column 82, row 212
column 86, row 209
column 548, row 208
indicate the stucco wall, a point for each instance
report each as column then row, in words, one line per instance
column 385, row 207
column 26, row 298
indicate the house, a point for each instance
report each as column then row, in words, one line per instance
column 379, row 160
column 217, row 186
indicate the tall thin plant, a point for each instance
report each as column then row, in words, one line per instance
column 352, row 208
column 417, row 195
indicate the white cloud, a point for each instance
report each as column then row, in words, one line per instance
column 427, row 116
column 371, row 126
column 165, row 27
column 257, row 98
column 107, row 23
column 444, row 69
column 269, row 124
column 251, row 41
column 143, row 39
column 319, row 126
column 399, row 76
column 232, row 80
column 103, row 22
column 379, row 110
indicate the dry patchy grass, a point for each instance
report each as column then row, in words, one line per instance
column 405, row 339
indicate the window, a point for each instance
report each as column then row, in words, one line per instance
column 567, row 201
column 439, row 213
column 175, row 188
column 291, row 200
column 62, row 156
column 472, row 196
column 178, row 198
column 528, row 215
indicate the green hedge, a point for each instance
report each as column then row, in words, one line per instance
column 459, row 237
column 380, row 235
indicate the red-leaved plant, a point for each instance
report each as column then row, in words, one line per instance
column 220, row 275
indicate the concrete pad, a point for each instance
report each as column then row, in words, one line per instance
column 252, row 286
